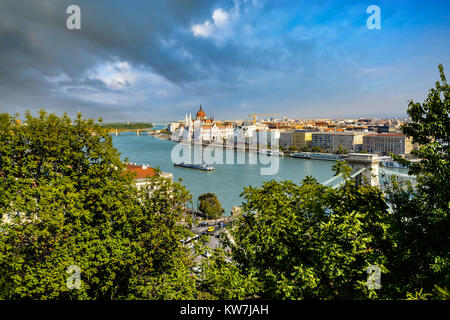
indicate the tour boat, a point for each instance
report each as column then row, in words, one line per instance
column 203, row 167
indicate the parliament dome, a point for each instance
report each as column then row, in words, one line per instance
column 200, row 114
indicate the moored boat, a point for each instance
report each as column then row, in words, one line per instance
column 326, row 156
column 275, row 153
column 301, row 155
column 318, row 156
column 271, row 152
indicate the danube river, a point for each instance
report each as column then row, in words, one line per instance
column 228, row 180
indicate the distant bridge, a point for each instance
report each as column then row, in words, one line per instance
column 403, row 179
column 138, row 131
column 367, row 170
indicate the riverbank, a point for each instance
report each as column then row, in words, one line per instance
column 158, row 134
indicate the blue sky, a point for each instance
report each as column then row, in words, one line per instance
column 157, row 60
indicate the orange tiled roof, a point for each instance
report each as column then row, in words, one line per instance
column 140, row 172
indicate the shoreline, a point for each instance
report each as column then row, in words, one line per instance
column 290, row 154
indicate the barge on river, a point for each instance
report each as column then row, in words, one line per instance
column 203, row 167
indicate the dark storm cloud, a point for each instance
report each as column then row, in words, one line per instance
column 36, row 48
column 35, row 45
column 33, row 34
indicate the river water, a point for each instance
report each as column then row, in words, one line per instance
column 228, row 180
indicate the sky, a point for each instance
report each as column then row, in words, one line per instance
column 158, row 60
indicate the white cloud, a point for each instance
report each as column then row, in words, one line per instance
column 116, row 75
column 220, row 26
column 220, row 17
column 203, row 30
column 125, row 82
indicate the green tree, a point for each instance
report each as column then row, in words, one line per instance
column 67, row 200
column 341, row 150
column 222, row 278
column 308, row 240
column 210, row 206
column 317, row 149
column 420, row 225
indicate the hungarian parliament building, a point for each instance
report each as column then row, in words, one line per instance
column 202, row 129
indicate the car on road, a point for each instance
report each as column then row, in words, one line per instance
column 210, row 229
column 203, row 224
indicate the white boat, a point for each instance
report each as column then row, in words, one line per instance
column 270, row 153
column 263, row 151
column 318, row 156
column 326, row 156
column 306, row 155
column 275, row 153
column 203, row 167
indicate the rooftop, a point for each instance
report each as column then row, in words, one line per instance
column 141, row 171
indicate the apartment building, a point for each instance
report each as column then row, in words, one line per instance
column 332, row 140
column 286, row 139
column 301, row 139
column 350, row 141
column 386, row 143
column 321, row 140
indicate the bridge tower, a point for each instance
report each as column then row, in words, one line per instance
column 368, row 161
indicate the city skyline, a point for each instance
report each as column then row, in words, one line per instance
column 154, row 61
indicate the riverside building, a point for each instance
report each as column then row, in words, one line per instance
column 350, row 141
column 321, row 140
column 286, row 139
column 386, row 143
column 301, row 139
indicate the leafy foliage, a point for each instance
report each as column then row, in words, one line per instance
column 420, row 224
column 224, row 280
column 341, row 150
column 210, row 206
column 66, row 200
column 309, row 241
